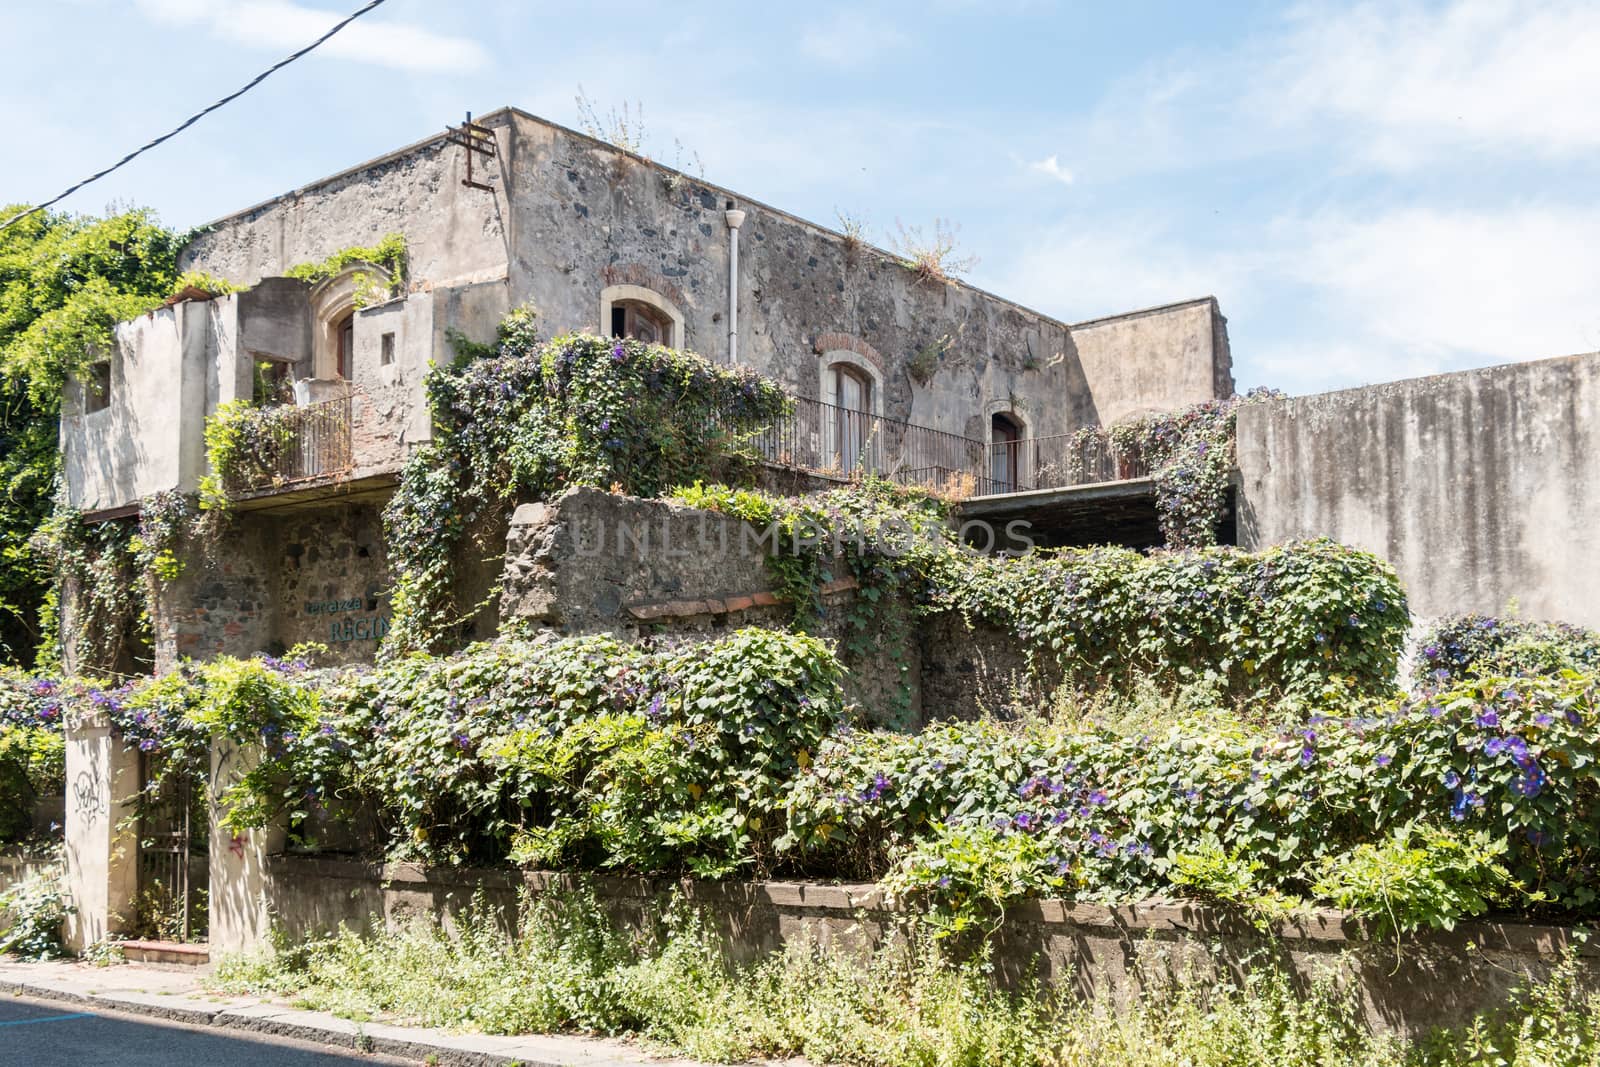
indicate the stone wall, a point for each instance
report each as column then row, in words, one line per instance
column 598, row 562
column 570, row 217
column 1481, row 487
column 1101, row 953
column 276, row 579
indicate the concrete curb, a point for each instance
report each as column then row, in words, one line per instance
column 181, row 1005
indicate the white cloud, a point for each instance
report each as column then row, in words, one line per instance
column 1490, row 74
column 851, row 38
column 1458, row 287
column 1051, row 167
column 284, row 25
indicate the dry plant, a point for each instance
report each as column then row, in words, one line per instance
column 625, row 129
column 854, row 229
column 931, row 259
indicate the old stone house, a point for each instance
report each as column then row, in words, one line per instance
column 891, row 372
column 1480, row 486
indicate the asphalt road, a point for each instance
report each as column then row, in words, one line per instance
column 39, row 1034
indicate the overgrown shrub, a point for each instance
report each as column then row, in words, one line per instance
column 1512, row 759
column 1461, row 646
column 1312, row 620
column 575, row 751
column 538, row 417
column 35, row 909
column 32, row 750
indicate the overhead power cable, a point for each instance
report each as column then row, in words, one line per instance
column 196, row 117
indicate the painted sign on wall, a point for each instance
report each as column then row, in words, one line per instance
column 349, row 628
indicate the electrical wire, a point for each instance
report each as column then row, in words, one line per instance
column 196, row 117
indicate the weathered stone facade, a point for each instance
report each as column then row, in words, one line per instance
column 275, row 579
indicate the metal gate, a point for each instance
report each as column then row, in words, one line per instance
column 174, row 867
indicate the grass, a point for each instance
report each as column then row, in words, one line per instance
column 570, row 972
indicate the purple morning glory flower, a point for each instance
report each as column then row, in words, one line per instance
column 1543, row 719
column 1384, row 759
column 1023, row 821
column 1306, row 756
column 1490, row 718
column 1098, row 798
column 1451, row 779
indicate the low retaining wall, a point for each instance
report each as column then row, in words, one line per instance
column 1104, row 953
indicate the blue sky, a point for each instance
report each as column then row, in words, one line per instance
column 1372, row 191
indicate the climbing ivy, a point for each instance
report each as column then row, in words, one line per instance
column 1190, row 456
column 538, row 417
column 1314, row 620
column 389, row 253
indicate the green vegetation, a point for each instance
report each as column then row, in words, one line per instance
column 1463, row 646
column 65, row 281
column 568, row 970
column 1316, row 621
column 540, row 417
column 389, row 254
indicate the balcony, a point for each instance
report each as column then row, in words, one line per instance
column 841, row 443
column 294, row 446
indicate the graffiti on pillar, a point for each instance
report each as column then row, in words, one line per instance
column 89, row 793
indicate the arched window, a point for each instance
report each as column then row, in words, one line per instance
column 630, row 318
column 333, row 309
column 1005, row 453
column 634, row 311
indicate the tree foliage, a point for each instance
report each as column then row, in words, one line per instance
column 65, row 282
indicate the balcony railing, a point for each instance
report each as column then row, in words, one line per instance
column 298, row 444
column 843, row 443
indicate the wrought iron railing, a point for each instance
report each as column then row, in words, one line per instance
column 843, row 443
column 301, row 444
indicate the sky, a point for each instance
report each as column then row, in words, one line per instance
column 1372, row 191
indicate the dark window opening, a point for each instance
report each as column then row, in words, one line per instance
column 629, row 318
column 386, row 349
column 346, row 346
column 97, row 386
column 1005, row 454
column 272, row 383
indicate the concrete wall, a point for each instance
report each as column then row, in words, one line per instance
column 145, row 439
column 1159, row 359
column 1481, row 487
column 1100, row 953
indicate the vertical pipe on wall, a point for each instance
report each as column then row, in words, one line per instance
column 735, row 219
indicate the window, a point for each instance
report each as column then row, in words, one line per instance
column 386, row 349
column 1005, row 453
column 272, row 383
column 634, row 311
column 633, row 318
column 345, row 346
column 97, row 386
column 852, row 415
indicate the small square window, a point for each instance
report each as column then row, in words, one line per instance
column 97, row 386
column 386, row 349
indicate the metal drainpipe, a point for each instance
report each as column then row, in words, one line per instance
column 735, row 219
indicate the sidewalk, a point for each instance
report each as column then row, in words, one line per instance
column 176, row 995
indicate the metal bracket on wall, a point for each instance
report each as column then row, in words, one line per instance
column 476, row 140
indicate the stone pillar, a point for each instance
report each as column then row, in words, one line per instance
column 240, row 900
column 102, row 831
